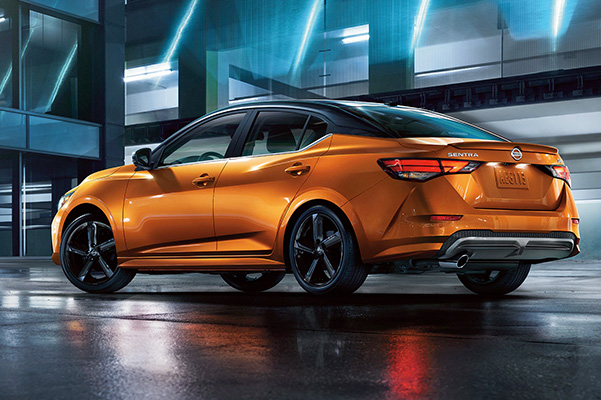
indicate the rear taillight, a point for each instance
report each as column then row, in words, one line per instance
column 561, row 172
column 422, row 169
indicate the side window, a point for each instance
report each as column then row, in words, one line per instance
column 208, row 141
column 275, row 132
column 316, row 129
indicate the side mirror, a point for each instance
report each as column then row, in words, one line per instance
column 141, row 158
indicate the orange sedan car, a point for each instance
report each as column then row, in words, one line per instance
column 327, row 190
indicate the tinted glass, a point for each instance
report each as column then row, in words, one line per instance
column 47, row 178
column 12, row 130
column 82, row 8
column 316, row 129
column 6, row 189
column 405, row 123
column 50, row 64
column 64, row 137
column 208, row 141
column 6, row 63
column 275, row 132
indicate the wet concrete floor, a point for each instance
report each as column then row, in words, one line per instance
column 400, row 336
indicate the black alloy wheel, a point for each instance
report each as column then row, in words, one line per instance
column 323, row 253
column 89, row 257
column 495, row 282
column 253, row 282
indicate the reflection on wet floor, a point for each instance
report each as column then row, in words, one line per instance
column 191, row 336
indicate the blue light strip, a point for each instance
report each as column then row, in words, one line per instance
column 305, row 40
column 558, row 11
column 180, row 31
column 62, row 75
column 420, row 20
column 6, row 78
column 10, row 68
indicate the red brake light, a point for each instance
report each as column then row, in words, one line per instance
column 562, row 172
column 420, row 169
column 576, row 221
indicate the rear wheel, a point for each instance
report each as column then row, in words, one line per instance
column 494, row 282
column 323, row 254
column 89, row 257
column 253, row 281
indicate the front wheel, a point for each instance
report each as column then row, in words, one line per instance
column 89, row 257
column 495, row 283
column 253, row 282
column 323, row 253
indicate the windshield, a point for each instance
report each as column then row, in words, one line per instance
column 411, row 123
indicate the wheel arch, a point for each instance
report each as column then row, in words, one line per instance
column 352, row 224
column 85, row 208
column 96, row 207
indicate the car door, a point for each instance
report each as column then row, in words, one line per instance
column 254, row 190
column 168, row 210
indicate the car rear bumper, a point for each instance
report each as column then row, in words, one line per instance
column 486, row 245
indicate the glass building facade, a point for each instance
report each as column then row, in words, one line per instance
column 207, row 55
column 55, row 126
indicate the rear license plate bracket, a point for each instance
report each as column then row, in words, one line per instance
column 511, row 178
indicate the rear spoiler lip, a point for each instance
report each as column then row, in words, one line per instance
column 490, row 145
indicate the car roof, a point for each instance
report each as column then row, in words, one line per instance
column 315, row 104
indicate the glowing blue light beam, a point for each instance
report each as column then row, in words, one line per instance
column 558, row 11
column 180, row 31
column 420, row 20
column 10, row 68
column 62, row 75
column 305, row 40
column 6, row 78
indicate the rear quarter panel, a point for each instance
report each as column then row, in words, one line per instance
column 346, row 170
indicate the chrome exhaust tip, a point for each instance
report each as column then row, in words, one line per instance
column 457, row 264
column 462, row 261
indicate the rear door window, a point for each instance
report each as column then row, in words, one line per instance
column 275, row 132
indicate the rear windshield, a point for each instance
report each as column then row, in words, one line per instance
column 405, row 123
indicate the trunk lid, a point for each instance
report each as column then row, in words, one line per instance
column 508, row 179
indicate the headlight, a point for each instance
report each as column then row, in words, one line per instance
column 64, row 198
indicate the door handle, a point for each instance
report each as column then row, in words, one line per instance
column 297, row 169
column 203, row 180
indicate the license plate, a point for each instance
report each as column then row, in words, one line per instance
column 511, row 178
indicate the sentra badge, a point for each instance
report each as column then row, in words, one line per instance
column 462, row 154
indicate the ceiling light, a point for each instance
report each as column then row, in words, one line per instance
column 420, row 19
column 558, row 11
column 355, row 39
column 147, row 72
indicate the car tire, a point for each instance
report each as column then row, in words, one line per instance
column 89, row 257
column 323, row 253
column 495, row 283
column 253, row 282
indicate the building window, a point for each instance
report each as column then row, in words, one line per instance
column 50, row 49
column 6, row 63
column 6, row 222
column 81, row 8
column 46, row 178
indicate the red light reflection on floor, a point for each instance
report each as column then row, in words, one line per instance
column 409, row 366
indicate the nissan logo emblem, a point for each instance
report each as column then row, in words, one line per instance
column 516, row 153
